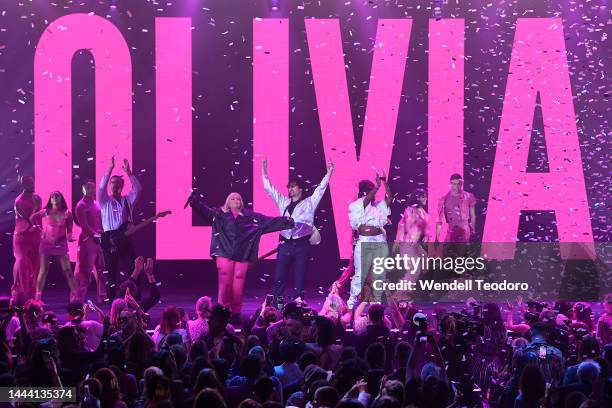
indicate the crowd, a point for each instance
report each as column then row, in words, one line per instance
column 289, row 355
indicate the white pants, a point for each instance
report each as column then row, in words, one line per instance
column 381, row 250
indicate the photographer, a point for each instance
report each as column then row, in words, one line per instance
column 77, row 314
column 424, row 350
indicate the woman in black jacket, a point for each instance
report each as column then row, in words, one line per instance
column 235, row 242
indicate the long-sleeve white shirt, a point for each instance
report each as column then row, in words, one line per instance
column 115, row 212
column 304, row 211
column 374, row 215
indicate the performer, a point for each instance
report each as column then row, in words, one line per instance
column 90, row 257
column 368, row 218
column 26, row 240
column 56, row 233
column 294, row 246
column 235, row 242
column 457, row 207
column 412, row 231
column 117, row 212
column 413, row 226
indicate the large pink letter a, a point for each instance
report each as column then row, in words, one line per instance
column 539, row 64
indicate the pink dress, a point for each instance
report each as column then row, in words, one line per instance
column 26, row 241
column 56, row 225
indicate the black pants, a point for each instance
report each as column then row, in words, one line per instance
column 117, row 264
column 291, row 254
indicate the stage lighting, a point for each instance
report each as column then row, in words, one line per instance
column 274, row 5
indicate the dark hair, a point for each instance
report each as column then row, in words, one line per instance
column 63, row 206
column 413, row 200
column 263, row 388
column 307, row 358
column 207, row 378
column 532, row 383
column 387, row 402
column 290, row 349
column 324, row 331
column 209, row 398
column 75, row 308
column 110, row 387
column 297, row 182
column 365, row 186
column 251, row 366
column 376, row 313
column 169, row 320
column 327, row 395
column 376, row 355
column 402, row 352
column 456, row 176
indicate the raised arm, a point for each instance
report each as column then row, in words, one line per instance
column 388, row 193
column 272, row 224
column 102, row 187
column 317, row 195
column 279, row 199
column 372, row 194
column 202, row 209
column 134, row 193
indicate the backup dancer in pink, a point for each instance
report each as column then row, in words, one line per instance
column 412, row 233
column 90, row 257
column 26, row 240
column 56, row 223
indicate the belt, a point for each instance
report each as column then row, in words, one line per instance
column 300, row 239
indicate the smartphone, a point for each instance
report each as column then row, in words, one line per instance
column 542, row 352
column 423, row 339
column 91, row 305
column 269, row 300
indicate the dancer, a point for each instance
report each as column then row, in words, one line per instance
column 368, row 218
column 56, row 233
column 235, row 242
column 294, row 246
column 90, row 257
column 26, row 240
column 412, row 232
column 458, row 209
column 117, row 212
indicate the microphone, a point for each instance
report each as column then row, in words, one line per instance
column 188, row 200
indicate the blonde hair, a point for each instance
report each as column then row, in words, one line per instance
column 225, row 207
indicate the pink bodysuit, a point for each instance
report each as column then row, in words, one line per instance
column 56, row 224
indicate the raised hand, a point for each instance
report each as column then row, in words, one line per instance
column 149, row 267
column 139, row 263
column 264, row 166
column 330, row 167
column 111, row 165
column 126, row 167
column 378, row 180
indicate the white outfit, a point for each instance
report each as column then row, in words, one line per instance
column 303, row 213
column 374, row 215
column 116, row 213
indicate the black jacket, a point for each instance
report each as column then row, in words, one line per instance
column 238, row 238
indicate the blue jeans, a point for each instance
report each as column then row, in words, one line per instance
column 291, row 254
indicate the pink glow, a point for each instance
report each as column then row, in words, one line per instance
column 387, row 75
column 53, row 100
column 445, row 108
column 270, row 114
column 176, row 237
column 539, row 64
